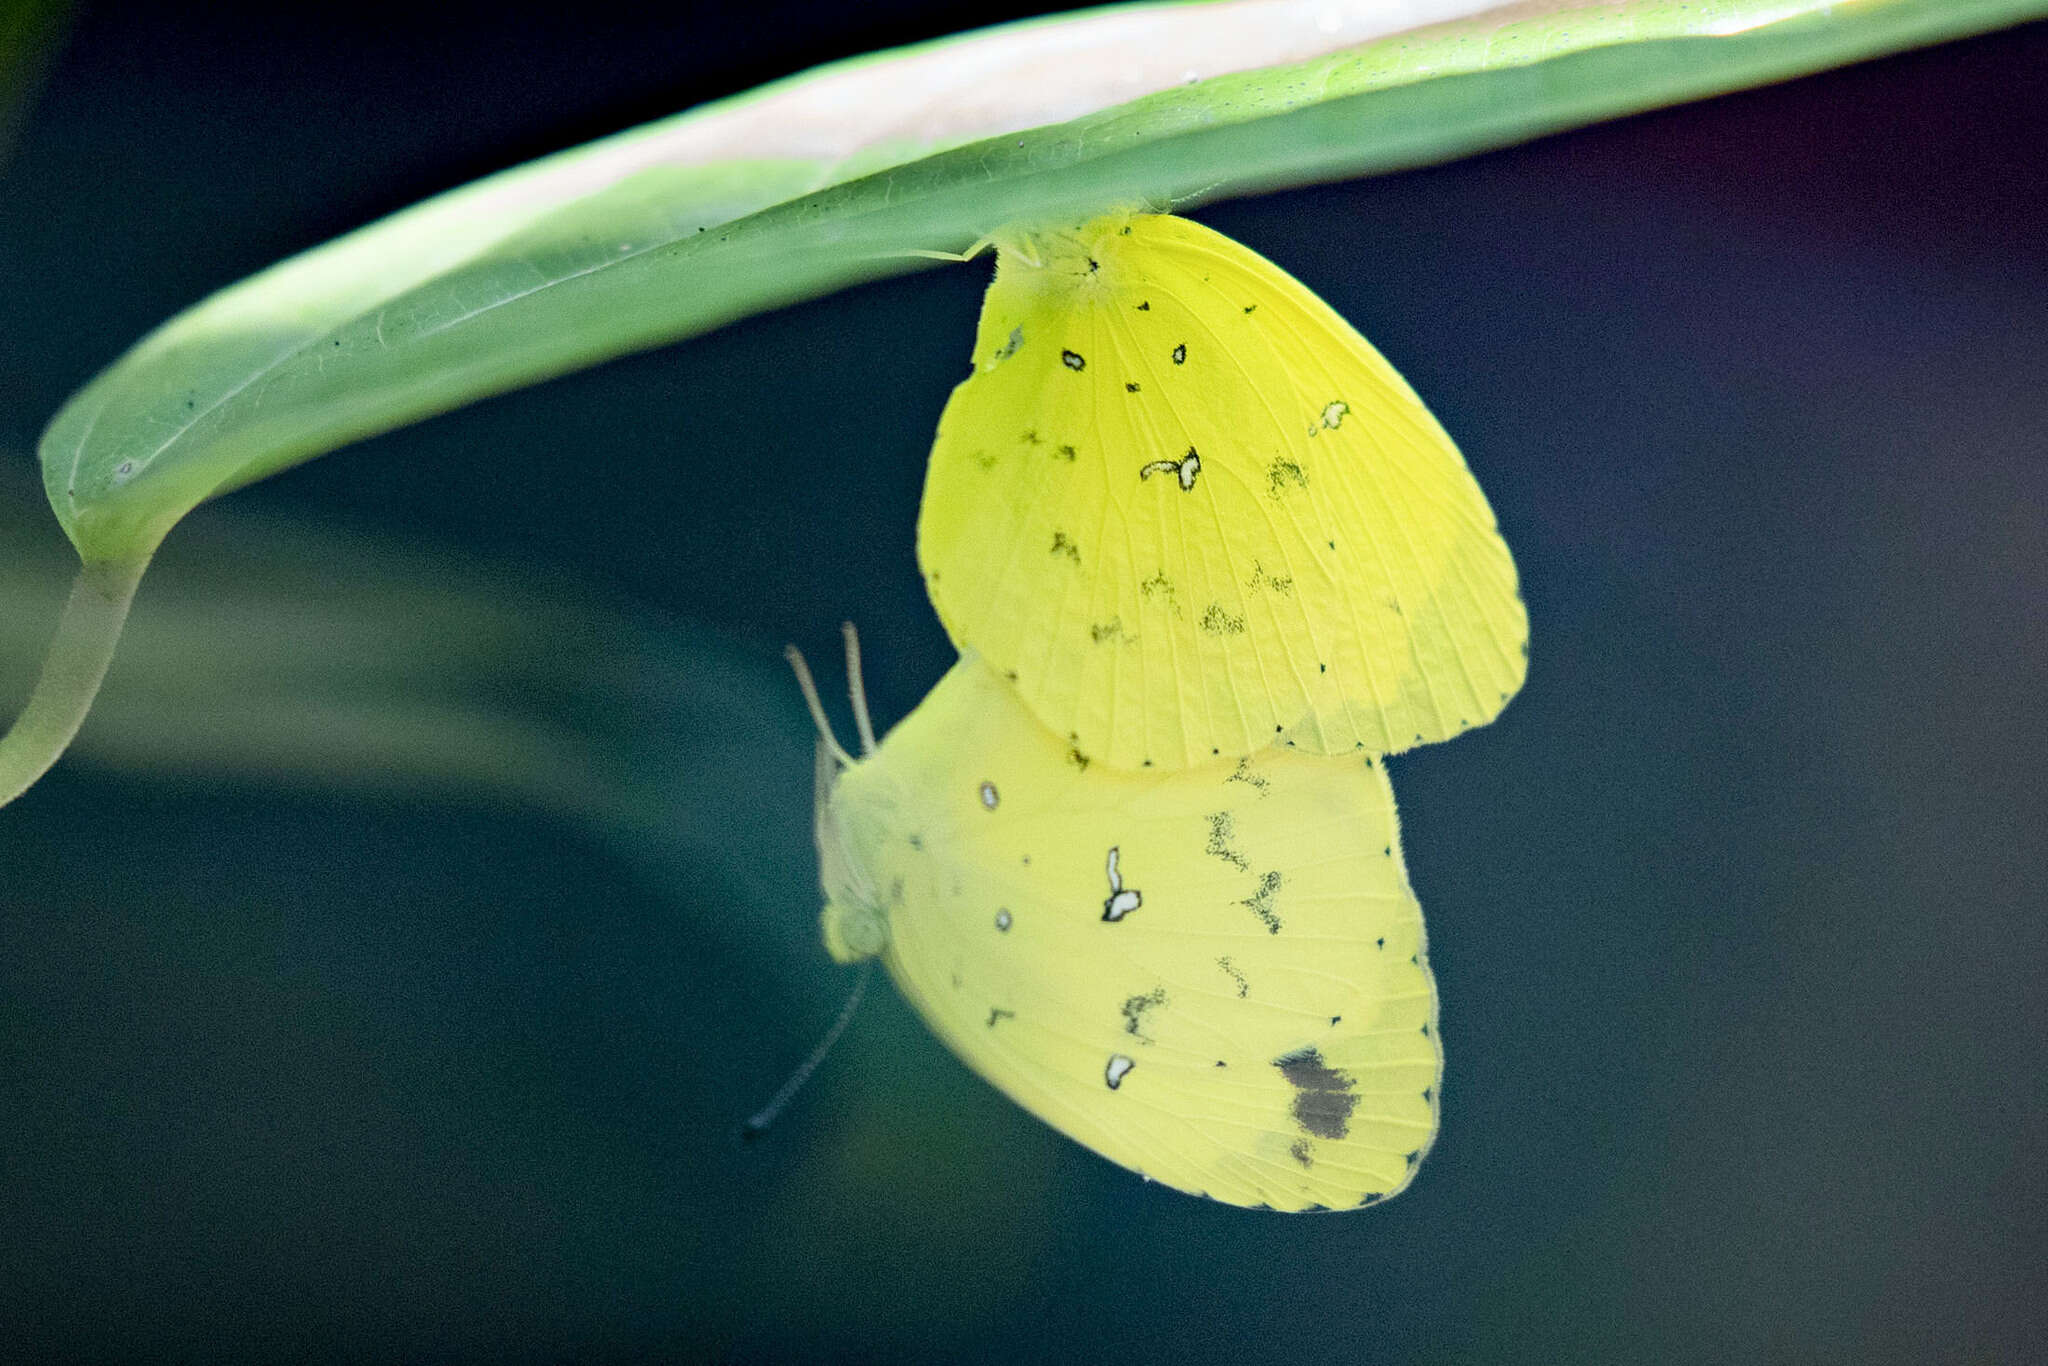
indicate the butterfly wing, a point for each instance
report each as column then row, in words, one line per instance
column 1189, row 511
column 1216, row 977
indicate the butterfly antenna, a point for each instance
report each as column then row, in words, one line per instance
column 857, row 688
column 1173, row 204
column 981, row 244
column 758, row 1123
column 810, row 688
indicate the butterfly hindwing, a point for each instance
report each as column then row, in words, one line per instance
column 1189, row 512
column 1217, row 977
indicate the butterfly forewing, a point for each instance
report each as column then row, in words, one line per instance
column 1190, row 512
column 1216, row 977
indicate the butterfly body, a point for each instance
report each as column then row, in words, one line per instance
column 1216, row 977
column 1188, row 512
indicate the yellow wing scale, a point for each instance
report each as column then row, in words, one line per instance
column 1257, row 1024
column 1188, row 513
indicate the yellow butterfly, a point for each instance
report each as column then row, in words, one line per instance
column 1215, row 977
column 1189, row 512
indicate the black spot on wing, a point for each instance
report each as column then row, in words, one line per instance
column 1262, row 581
column 1281, row 473
column 1222, row 828
column 1061, row 545
column 1323, row 1096
column 1260, row 903
column 1218, row 622
column 1134, row 1009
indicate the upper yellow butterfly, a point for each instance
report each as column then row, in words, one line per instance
column 1188, row 512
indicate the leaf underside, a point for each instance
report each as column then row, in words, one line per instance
column 787, row 193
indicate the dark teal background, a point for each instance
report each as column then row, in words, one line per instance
column 323, row 1046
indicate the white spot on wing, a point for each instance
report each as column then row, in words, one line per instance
column 1122, row 900
column 1003, row 919
column 1184, row 469
column 1119, row 1067
column 988, row 795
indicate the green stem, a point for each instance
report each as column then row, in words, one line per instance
column 78, row 659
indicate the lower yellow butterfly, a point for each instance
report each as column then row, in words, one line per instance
column 1188, row 511
column 1216, row 977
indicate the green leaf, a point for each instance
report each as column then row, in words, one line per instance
column 829, row 178
column 837, row 176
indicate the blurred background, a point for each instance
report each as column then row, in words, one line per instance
column 432, row 893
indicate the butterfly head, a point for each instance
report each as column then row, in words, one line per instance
column 854, row 930
column 1062, row 256
column 855, row 920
